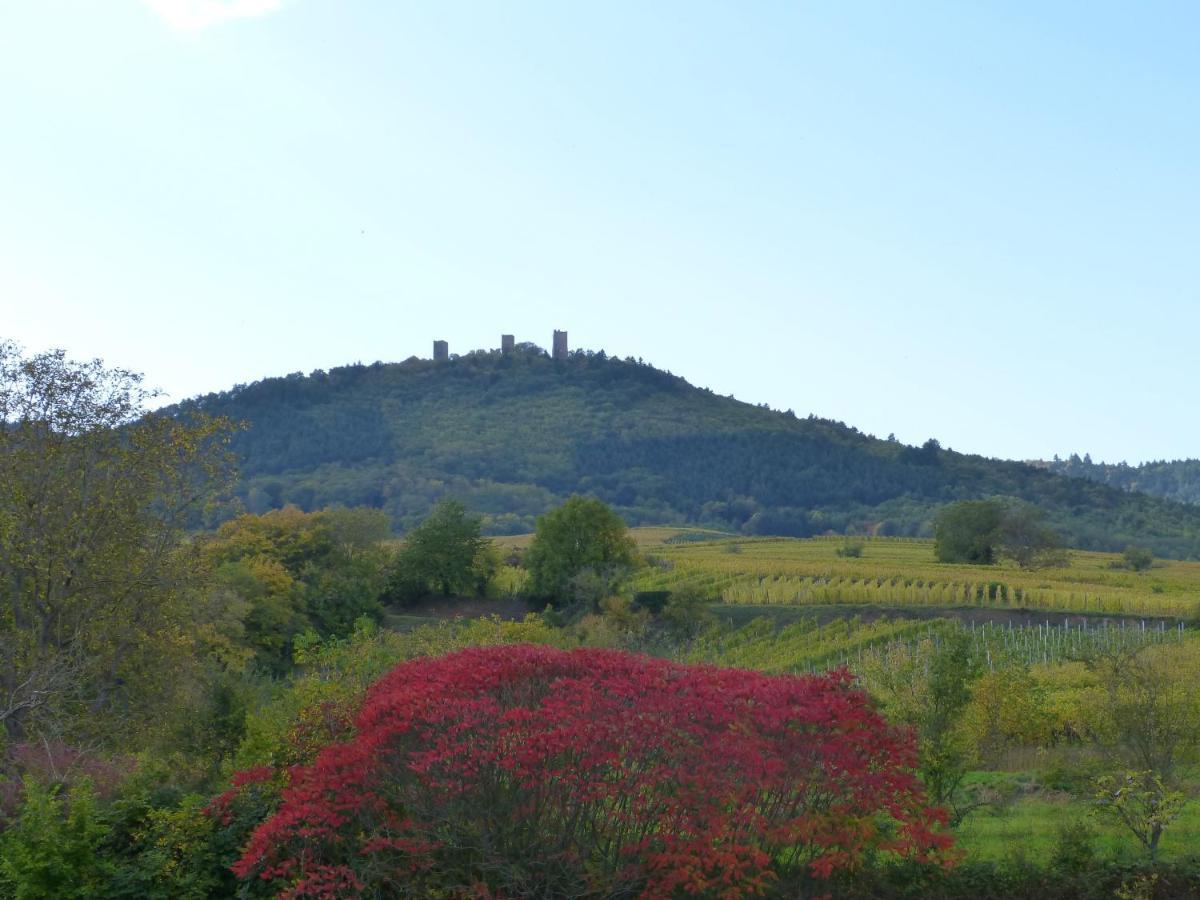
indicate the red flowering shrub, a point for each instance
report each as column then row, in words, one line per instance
column 524, row 770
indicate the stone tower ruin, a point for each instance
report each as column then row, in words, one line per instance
column 441, row 351
column 560, row 345
column 507, row 343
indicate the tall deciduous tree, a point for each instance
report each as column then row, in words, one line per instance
column 97, row 589
column 582, row 536
column 444, row 555
column 1027, row 540
column 929, row 688
column 968, row 532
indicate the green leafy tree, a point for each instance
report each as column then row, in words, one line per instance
column 1144, row 717
column 444, row 555
column 982, row 531
column 968, row 532
column 1141, row 802
column 929, row 688
column 52, row 848
column 1025, row 538
column 99, row 589
column 581, row 538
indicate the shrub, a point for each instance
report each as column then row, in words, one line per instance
column 52, row 847
column 170, row 853
column 851, row 549
column 526, row 770
column 1139, row 559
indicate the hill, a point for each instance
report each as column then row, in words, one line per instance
column 1177, row 480
column 513, row 435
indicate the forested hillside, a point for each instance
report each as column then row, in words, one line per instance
column 512, row 435
column 1177, row 480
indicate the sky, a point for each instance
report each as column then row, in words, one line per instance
column 978, row 222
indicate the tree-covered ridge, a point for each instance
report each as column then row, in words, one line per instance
column 513, row 435
column 1177, row 479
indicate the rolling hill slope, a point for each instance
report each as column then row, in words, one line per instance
column 512, row 435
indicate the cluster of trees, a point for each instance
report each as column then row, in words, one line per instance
column 114, row 612
column 981, row 532
column 283, row 573
column 515, row 435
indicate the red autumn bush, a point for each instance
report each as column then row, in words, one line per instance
column 529, row 771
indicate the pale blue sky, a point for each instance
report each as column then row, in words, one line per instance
column 976, row 221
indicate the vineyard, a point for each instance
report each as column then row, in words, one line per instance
column 806, row 646
column 896, row 573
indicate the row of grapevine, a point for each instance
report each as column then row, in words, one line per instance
column 806, row 646
column 903, row 572
column 902, row 591
column 803, row 646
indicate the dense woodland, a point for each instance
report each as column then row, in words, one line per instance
column 1177, row 480
column 513, row 435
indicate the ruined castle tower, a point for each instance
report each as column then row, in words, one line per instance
column 560, row 345
column 507, row 343
column 441, row 351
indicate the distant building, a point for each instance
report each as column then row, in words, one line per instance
column 507, row 343
column 441, row 351
column 560, row 345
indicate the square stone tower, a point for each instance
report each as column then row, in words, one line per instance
column 560, row 345
column 441, row 351
column 507, row 343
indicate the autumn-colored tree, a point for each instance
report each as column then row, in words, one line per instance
column 523, row 770
column 99, row 592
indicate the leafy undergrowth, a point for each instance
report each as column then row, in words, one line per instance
column 532, row 771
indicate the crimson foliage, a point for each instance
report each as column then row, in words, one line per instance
column 530, row 771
